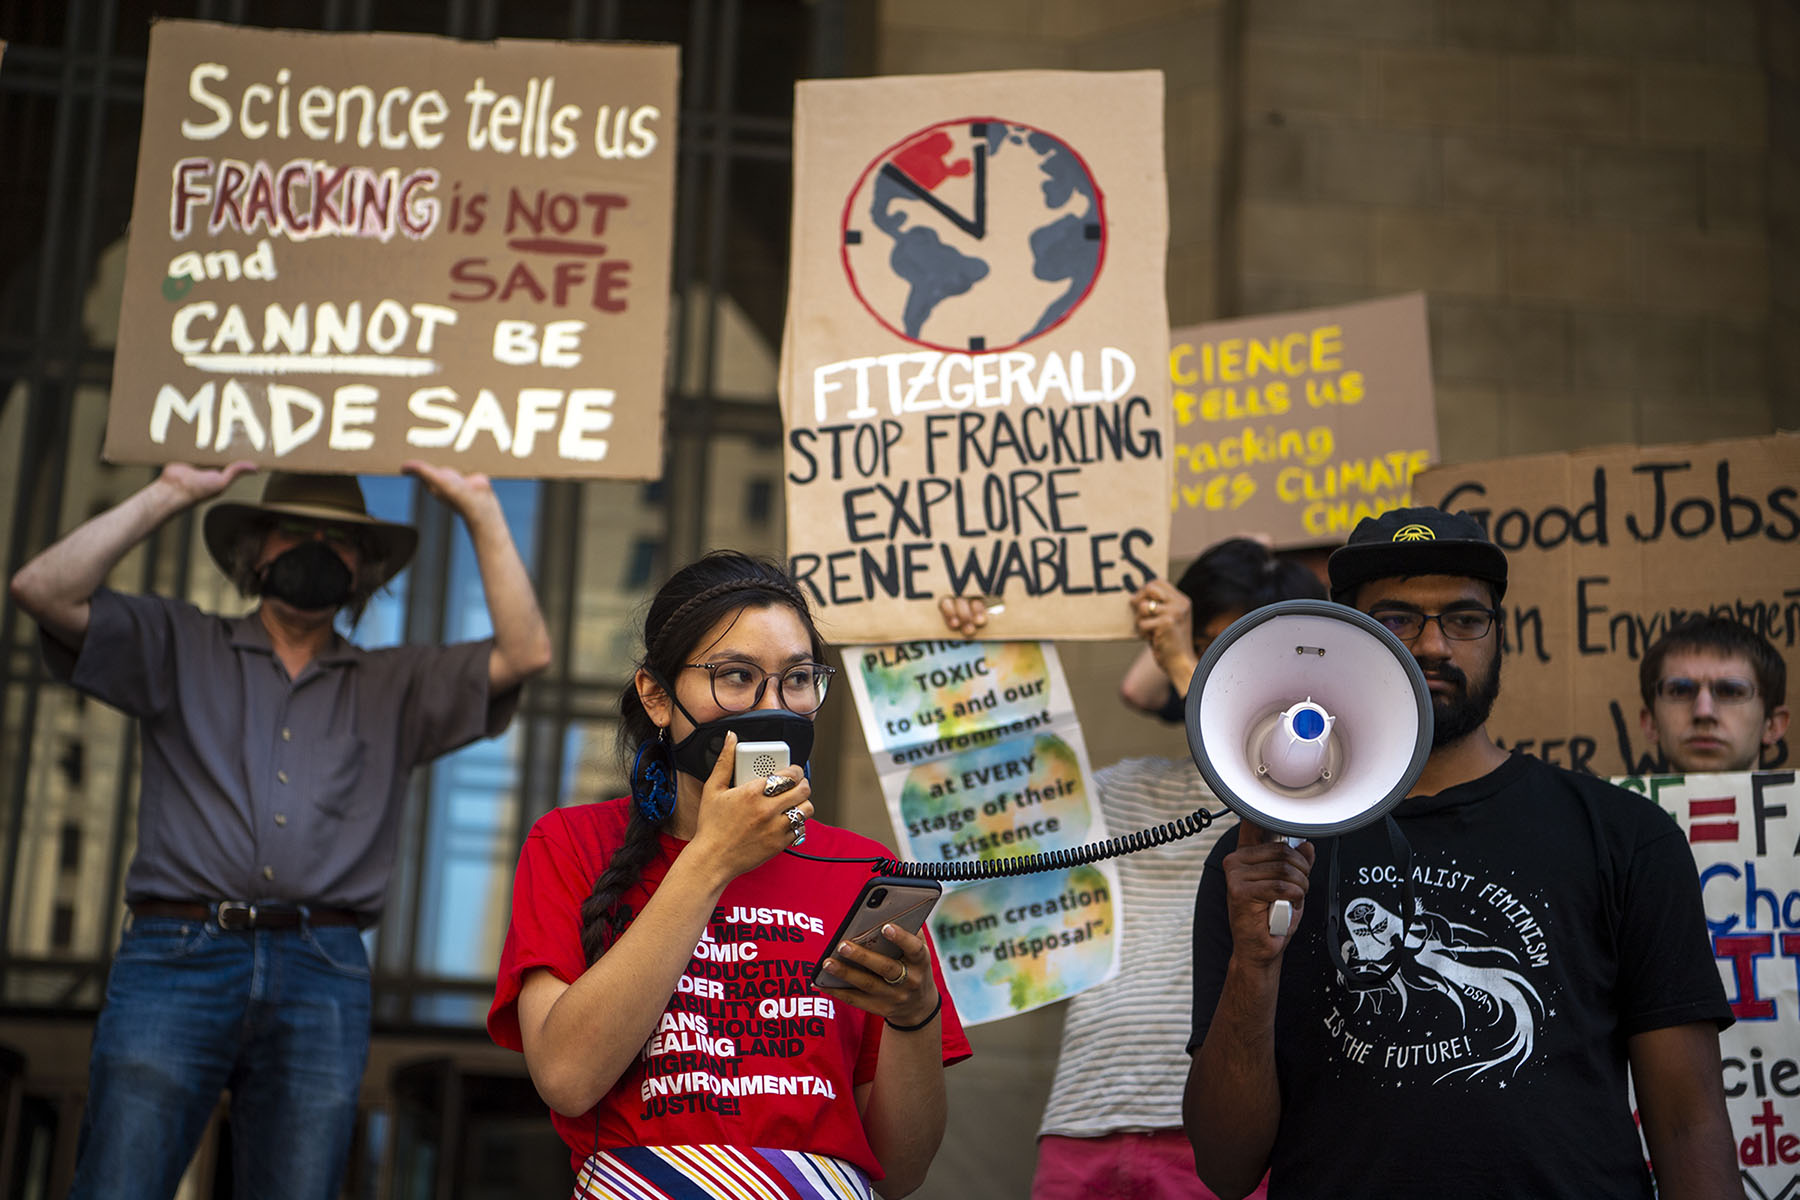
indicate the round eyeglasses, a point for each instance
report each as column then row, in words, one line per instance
column 739, row 686
column 1679, row 689
column 1459, row 625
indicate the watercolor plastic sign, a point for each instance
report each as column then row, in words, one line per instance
column 981, row 758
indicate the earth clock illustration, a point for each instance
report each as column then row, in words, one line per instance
column 974, row 235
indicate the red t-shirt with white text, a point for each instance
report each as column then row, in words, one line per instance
column 748, row 1052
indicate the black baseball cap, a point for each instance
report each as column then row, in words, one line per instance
column 1415, row 541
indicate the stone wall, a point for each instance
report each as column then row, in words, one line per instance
column 1782, row 59
column 1579, row 186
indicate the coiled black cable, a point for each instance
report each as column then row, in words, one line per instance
column 1051, row 860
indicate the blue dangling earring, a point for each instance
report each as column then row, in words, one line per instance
column 651, row 786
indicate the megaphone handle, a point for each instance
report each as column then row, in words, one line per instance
column 1281, row 913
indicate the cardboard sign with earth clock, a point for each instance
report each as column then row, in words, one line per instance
column 974, row 386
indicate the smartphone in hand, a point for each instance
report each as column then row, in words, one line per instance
column 758, row 760
column 885, row 899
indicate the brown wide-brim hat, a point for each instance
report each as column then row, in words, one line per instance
column 328, row 499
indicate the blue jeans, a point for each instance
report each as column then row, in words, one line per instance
column 278, row 1016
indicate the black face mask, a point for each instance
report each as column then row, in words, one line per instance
column 309, row 576
column 698, row 752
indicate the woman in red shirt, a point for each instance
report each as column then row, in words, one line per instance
column 657, row 969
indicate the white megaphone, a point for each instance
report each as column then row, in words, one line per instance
column 1308, row 719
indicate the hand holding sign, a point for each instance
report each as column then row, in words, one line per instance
column 195, row 484
column 1165, row 622
column 965, row 616
column 461, row 492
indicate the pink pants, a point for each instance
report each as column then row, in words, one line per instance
column 1158, row 1165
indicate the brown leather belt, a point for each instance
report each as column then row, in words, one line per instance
column 245, row 914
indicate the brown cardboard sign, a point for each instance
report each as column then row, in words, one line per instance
column 1606, row 550
column 973, row 381
column 1301, row 424
column 349, row 250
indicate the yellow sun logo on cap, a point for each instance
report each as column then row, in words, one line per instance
column 1415, row 533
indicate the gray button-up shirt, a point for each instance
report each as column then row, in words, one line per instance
column 260, row 787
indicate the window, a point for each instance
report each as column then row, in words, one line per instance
column 68, row 857
column 640, row 567
column 759, row 501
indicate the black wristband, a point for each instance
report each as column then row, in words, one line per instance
column 929, row 1018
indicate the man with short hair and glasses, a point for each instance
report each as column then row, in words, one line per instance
column 1466, row 982
column 1713, row 694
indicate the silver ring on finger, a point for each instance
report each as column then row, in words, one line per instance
column 898, row 979
column 777, row 784
column 796, row 824
column 1151, row 607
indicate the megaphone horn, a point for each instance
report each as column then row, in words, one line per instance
column 1309, row 719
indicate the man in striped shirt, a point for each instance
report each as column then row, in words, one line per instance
column 1112, row 1126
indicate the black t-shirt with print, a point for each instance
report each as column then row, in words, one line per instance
column 1482, row 1051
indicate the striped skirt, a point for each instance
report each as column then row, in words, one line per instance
column 717, row 1173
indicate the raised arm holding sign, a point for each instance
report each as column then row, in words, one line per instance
column 276, row 759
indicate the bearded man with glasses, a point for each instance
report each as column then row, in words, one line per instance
column 1513, row 939
column 1713, row 696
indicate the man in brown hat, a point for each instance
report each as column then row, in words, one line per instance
column 275, row 760
column 1465, row 984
